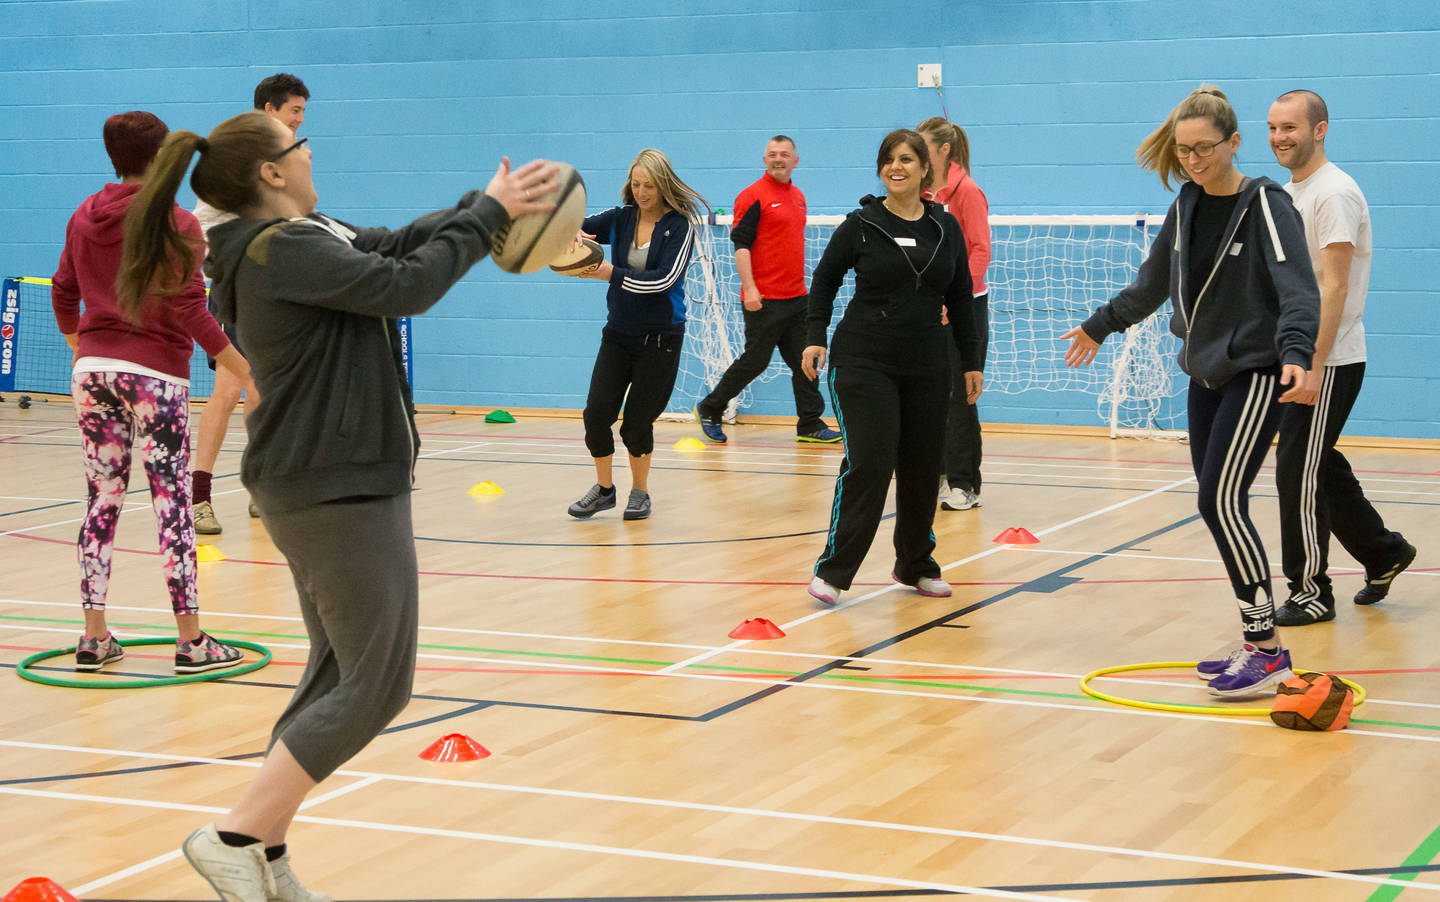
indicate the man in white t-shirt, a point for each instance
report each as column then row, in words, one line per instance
column 282, row 97
column 1318, row 491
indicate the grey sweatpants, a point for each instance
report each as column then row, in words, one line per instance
column 355, row 571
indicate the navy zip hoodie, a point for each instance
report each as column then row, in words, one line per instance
column 649, row 301
column 894, row 318
column 314, row 302
column 1260, row 304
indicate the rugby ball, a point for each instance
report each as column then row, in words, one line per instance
column 533, row 241
column 584, row 256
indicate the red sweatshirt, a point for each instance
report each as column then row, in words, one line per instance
column 165, row 338
column 967, row 203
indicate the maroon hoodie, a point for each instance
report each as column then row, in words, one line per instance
column 88, row 265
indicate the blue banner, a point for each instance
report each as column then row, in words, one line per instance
column 404, row 325
column 9, row 334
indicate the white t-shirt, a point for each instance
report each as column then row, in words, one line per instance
column 210, row 216
column 1335, row 212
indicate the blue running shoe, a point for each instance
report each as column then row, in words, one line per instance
column 710, row 426
column 1209, row 670
column 1252, row 673
column 824, row 436
column 593, row 502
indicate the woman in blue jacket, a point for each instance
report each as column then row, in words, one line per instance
column 1232, row 258
column 651, row 237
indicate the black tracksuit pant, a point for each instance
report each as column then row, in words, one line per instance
column 893, row 424
column 777, row 324
column 638, row 372
column 1230, row 433
column 1319, row 494
column 962, row 433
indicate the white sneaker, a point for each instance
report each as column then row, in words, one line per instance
column 824, row 592
column 959, row 500
column 929, row 586
column 237, row 873
column 288, row 887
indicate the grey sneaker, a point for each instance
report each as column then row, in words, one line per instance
column 288, row 887
column 236, row 873
column 638, row 507
column 960, row 500
column 204, row 654
column 92, row 654
column 206, row 523
column 593, row 502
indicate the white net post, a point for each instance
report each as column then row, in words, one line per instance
column 1047, row 274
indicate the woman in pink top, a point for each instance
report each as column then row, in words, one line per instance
column 949, row 148
column 131, row 383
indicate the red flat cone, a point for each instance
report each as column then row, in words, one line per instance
column 455, row 747
column 38, row 889
column 759, row 628
column 1016, row 535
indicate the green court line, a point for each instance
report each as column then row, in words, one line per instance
column 778, row 674
column 1423, row 854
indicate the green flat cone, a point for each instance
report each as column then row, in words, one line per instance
column 499, row 416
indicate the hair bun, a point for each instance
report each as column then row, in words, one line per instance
column 202, row 144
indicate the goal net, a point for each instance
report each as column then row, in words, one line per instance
column 1047, row 274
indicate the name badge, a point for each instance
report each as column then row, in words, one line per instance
column 905, row 242
column 1236, row 248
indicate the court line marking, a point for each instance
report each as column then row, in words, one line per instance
column 893, row 586
column 865, row 689
column 375, row 777
column 140, row 632
column 619, row 851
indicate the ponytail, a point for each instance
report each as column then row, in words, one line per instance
column 157, row 259
column 1157, row 152
column 942, row 131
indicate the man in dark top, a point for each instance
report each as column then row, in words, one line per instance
column 769, row 238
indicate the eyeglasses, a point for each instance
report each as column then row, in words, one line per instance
column 1201, row 150
column 276, row 158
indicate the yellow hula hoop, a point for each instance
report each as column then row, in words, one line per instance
column 1228, row 710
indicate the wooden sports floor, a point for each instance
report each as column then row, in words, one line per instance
column 893, row 747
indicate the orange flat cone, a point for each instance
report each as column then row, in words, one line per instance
column 38, row 889
column 759, row 628
column 455, row 747
column 1016, row 535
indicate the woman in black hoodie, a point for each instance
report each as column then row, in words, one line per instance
column 1231, row 256
column 889, row 366
column 332, row 447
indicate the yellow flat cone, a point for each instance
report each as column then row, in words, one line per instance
column 689, row 443
column 485, row 488
column 207, row 552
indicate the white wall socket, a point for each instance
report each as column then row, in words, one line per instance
column 929, row 75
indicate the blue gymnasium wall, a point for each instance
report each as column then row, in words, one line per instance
column 413, row 103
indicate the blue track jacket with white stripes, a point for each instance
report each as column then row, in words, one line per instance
column 652, row 300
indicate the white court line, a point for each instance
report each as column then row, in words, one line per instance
column 373, row 777
column 139, row 632
column 127, row 506
column 619, row 851
column 893, row 586
column 469, row 447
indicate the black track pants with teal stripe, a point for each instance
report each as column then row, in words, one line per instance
column 1230, row 433
column 893, row 424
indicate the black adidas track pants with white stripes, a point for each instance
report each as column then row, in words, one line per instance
column 1230, row 433
column 1320, row 495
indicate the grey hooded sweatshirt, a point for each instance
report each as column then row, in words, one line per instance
column 1260, row 304
column 314, row 302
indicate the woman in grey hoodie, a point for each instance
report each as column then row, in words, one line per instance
column 1231, row 257
column 332, row 447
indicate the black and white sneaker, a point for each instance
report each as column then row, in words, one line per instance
column 1377, row 587
column 638, row 507
column 1305, row 611
column 593, row 502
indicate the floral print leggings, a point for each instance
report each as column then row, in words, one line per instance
column 116, row 410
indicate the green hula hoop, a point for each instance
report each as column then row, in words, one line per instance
column 25, row 673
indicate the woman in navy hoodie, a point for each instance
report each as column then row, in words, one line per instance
column 1231, row 256
column 650, row 237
